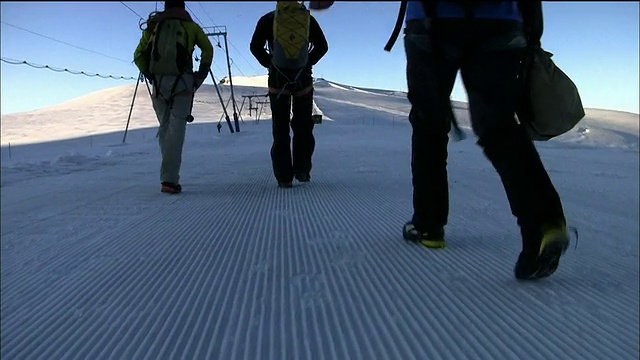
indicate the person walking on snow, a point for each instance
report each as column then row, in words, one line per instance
column 164, row 56
column 296, row 43
column 486, row 42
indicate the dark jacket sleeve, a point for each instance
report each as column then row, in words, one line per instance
column 261, row 36
column 318, row 42
column 532, row 21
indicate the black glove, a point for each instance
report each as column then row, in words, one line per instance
column 266, row 63
column 149, row 78
column 199, row 78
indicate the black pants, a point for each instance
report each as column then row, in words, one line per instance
column 488, row 55
column 290, row 156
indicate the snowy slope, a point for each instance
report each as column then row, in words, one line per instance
column 98, row 264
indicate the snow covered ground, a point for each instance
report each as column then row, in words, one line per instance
column 98, row 264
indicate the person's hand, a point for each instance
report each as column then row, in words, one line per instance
column 149, row 78
column 266, row 64
column 198, row 79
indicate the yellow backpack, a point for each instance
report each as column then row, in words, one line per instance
column 290, row 50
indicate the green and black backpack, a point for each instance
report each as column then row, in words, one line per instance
column 169, row 48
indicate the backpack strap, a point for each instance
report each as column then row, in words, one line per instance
column 396, row 30
column 532, row 21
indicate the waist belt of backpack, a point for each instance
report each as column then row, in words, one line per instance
column 159, row 93
column 172, row 93
column 284, row 89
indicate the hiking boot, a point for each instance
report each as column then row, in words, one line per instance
column 303, row 177
column 431, row 239
column 285, row 184
column 170, row 188
column 542, row 260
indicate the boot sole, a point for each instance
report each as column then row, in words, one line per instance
column 431, row 244
column 170, row 191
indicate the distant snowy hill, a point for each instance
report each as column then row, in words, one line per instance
column 82, row 116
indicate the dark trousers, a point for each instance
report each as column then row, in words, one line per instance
column 291, row 155
column 488, row 55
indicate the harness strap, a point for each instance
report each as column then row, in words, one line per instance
column 289, row 82
column 285, row 91
column 168, row 102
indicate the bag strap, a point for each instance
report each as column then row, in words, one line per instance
column 396, row 30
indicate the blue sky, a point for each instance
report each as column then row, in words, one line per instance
column 595, row 43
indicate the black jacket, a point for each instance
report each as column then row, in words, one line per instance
column 264, row 34
column 531, row 11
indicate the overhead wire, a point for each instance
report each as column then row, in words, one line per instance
column 74, row 72
column 65, row 43
column 231, row 62
column 199, row 22
column 202, row 25
column 229, row 41
column 16, row 62
column 133, row 11
column 194, row 15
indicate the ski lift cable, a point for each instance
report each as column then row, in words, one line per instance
column 229, row 41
